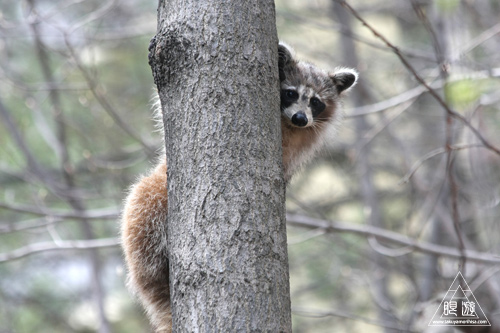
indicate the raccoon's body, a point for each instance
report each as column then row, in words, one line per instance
column 310, row 100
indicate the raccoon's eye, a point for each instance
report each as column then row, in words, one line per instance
column 291, row 94
column 317, row 106
column 315, row 102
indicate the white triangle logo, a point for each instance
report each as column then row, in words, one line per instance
column 459, row 307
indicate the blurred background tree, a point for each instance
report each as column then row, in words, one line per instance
column 403, row 198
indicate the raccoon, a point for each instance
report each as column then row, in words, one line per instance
column 310, row 108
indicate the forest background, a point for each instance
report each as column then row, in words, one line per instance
column 378, row 227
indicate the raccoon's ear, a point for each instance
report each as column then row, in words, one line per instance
column 344, row 79
column 284, row 58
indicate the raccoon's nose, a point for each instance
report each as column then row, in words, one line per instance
column 299, row 119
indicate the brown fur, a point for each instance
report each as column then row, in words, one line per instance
column 145, row 244
column 144, row 236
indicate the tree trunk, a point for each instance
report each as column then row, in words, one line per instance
column 216, row 67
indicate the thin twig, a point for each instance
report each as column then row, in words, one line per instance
column 103, row 100
column 28, row 225
column 94, row 15
column 61, row 245
column 413, row 93
column 454, row 206
column 430, row 155
column 108, row 213
column 475, row 42
column 322, row 313
column 348, row 32
column 441, row 56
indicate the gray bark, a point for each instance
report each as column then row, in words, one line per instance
column 215, row 65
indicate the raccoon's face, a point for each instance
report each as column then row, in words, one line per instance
column 310, row 95
column 301, row 105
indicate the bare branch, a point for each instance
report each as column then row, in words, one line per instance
column 104, row 102
column 391, row 237
column 480, row 39
column 433, row 153
column 348, row 32
column 412, row 70
column 95, row 15
column 322, row 313
column 108, row 213
column 419, row 90
column 60, row 245
column 28, row 225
